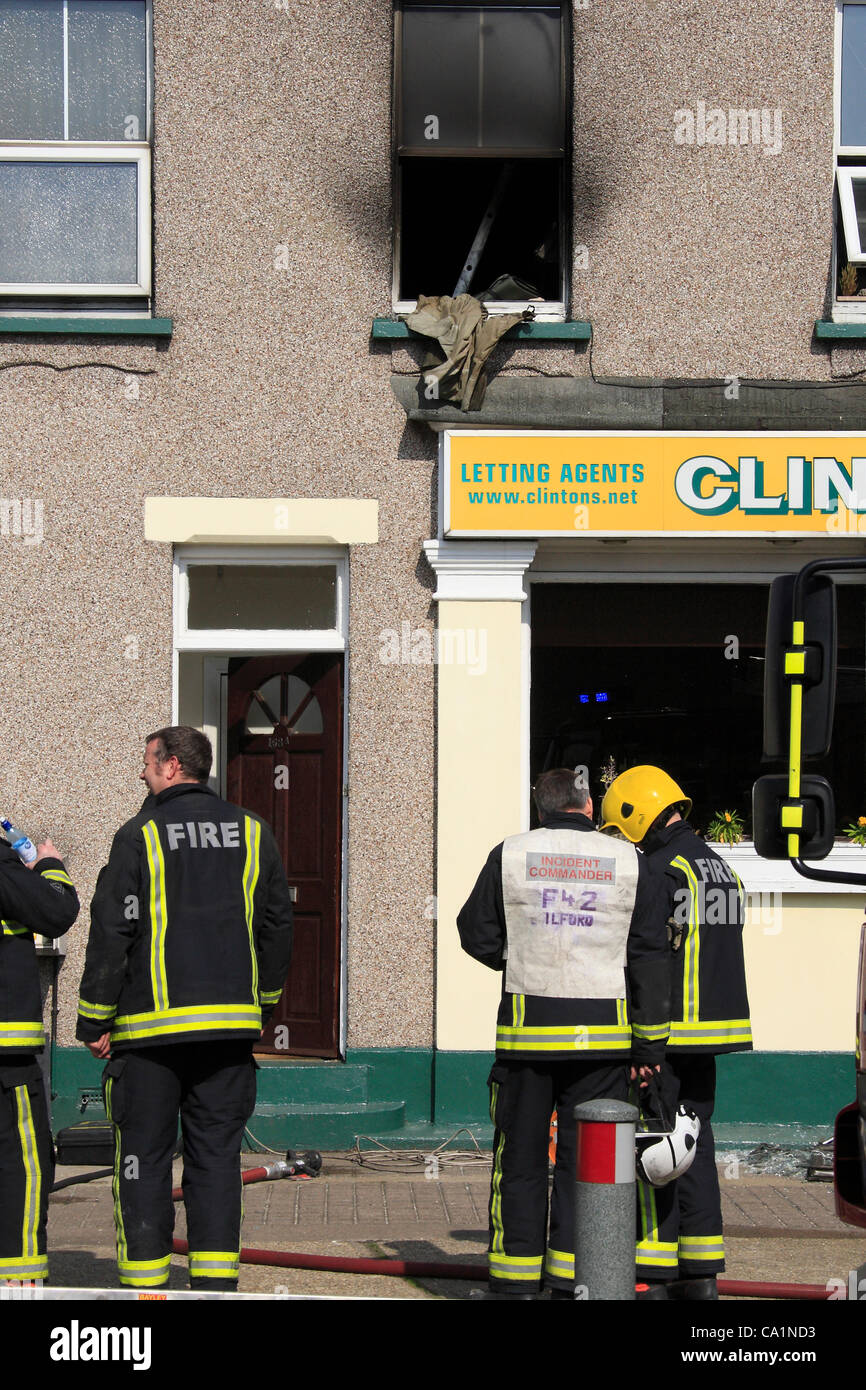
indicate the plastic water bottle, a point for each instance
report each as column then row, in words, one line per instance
column 21, row 843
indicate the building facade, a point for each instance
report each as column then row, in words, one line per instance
column 237, row 496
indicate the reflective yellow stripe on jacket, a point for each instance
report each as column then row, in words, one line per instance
column 253, row 840
column 578, row 1037
column 158, row 914
column 193, row 1018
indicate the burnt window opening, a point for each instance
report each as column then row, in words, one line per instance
column 480, row 152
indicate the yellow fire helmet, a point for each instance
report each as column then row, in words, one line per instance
column 637, row 797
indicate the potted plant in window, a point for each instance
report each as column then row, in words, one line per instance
column 726, row 828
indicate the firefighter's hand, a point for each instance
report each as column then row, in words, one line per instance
column 101, row 1049
column 645, row 1074
column 45, row 850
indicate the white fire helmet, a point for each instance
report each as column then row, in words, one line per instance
column 665, row 1155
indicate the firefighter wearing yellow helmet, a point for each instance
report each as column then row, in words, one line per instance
column 680, row 1248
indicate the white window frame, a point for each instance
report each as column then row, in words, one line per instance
column 246, row 641
column 99, row 152
column 845, row 310
column 546, row 310
column 74, row 153
column 845, row 179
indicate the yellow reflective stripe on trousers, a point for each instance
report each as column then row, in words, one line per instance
column 158, row 914
column 514, row 1266
column 497, row 1240
column 578, row 1037
column 646, row 1199
column 659, row 1253
column 26, row 1268
column 214, row 1264
column 115, row 1181
column 701, row 1248
column 253, row 839
column 560, row 1264
column 691, row 947
column 32, row 1174
column 22, row 1035
column 144, row 1274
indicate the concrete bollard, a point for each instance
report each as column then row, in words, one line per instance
column 604, row 1207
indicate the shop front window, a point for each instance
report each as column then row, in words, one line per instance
column 673, row 675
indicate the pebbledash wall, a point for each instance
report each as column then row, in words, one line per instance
column 272, row 399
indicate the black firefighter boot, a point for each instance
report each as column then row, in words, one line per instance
column 694, row 1290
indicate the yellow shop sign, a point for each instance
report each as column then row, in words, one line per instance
column 528, row 483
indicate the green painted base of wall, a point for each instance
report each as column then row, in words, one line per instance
column 417, row 1098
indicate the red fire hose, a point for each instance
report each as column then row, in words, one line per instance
column 340, row 1264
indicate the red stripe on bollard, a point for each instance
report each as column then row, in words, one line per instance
column 596, row 1152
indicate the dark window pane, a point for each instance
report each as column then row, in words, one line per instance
column 440, row 77
column 107, row 70
column 859, row 188
column 520, row 83
column 31, row 70
column 853, row 122
column 490, row 77
column 262, row 596
column 68, row 223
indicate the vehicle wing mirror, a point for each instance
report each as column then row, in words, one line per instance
column 813, row 656
column 775, row 816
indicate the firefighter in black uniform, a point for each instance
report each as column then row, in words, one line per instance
column 37, row 898
column 190, row 942
column 576, row 921
column 680, row 1246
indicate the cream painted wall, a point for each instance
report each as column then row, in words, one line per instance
column 801, row 970
column 479, row 800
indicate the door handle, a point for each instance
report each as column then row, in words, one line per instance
column 293, row 894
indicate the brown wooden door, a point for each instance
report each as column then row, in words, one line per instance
column 285, row 733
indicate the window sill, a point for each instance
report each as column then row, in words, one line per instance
column 81, row 327
column 853, row 325
column 779, row 876
column 577, row 330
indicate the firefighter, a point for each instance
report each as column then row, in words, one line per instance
column 575, row 920
column 40, row 898
column 190, row 942
column 680, row 1247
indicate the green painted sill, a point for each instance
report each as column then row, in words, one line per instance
column 578, row 330
column 87, row 327
column 825, row 329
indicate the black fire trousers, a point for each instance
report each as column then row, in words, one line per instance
column 680, row 1225
column 212, row 1087
column 26, row 1170
column 523, row 1096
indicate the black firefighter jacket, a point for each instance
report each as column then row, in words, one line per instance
column 709, row 1003
column 39, row 901
column 191, row 926
column 632, row 1027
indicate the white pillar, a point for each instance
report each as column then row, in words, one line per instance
column 482, row 737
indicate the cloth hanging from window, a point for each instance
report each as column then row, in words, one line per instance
column 467, row 335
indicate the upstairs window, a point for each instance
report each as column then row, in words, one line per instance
column 480, row 125
column 75, row 81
